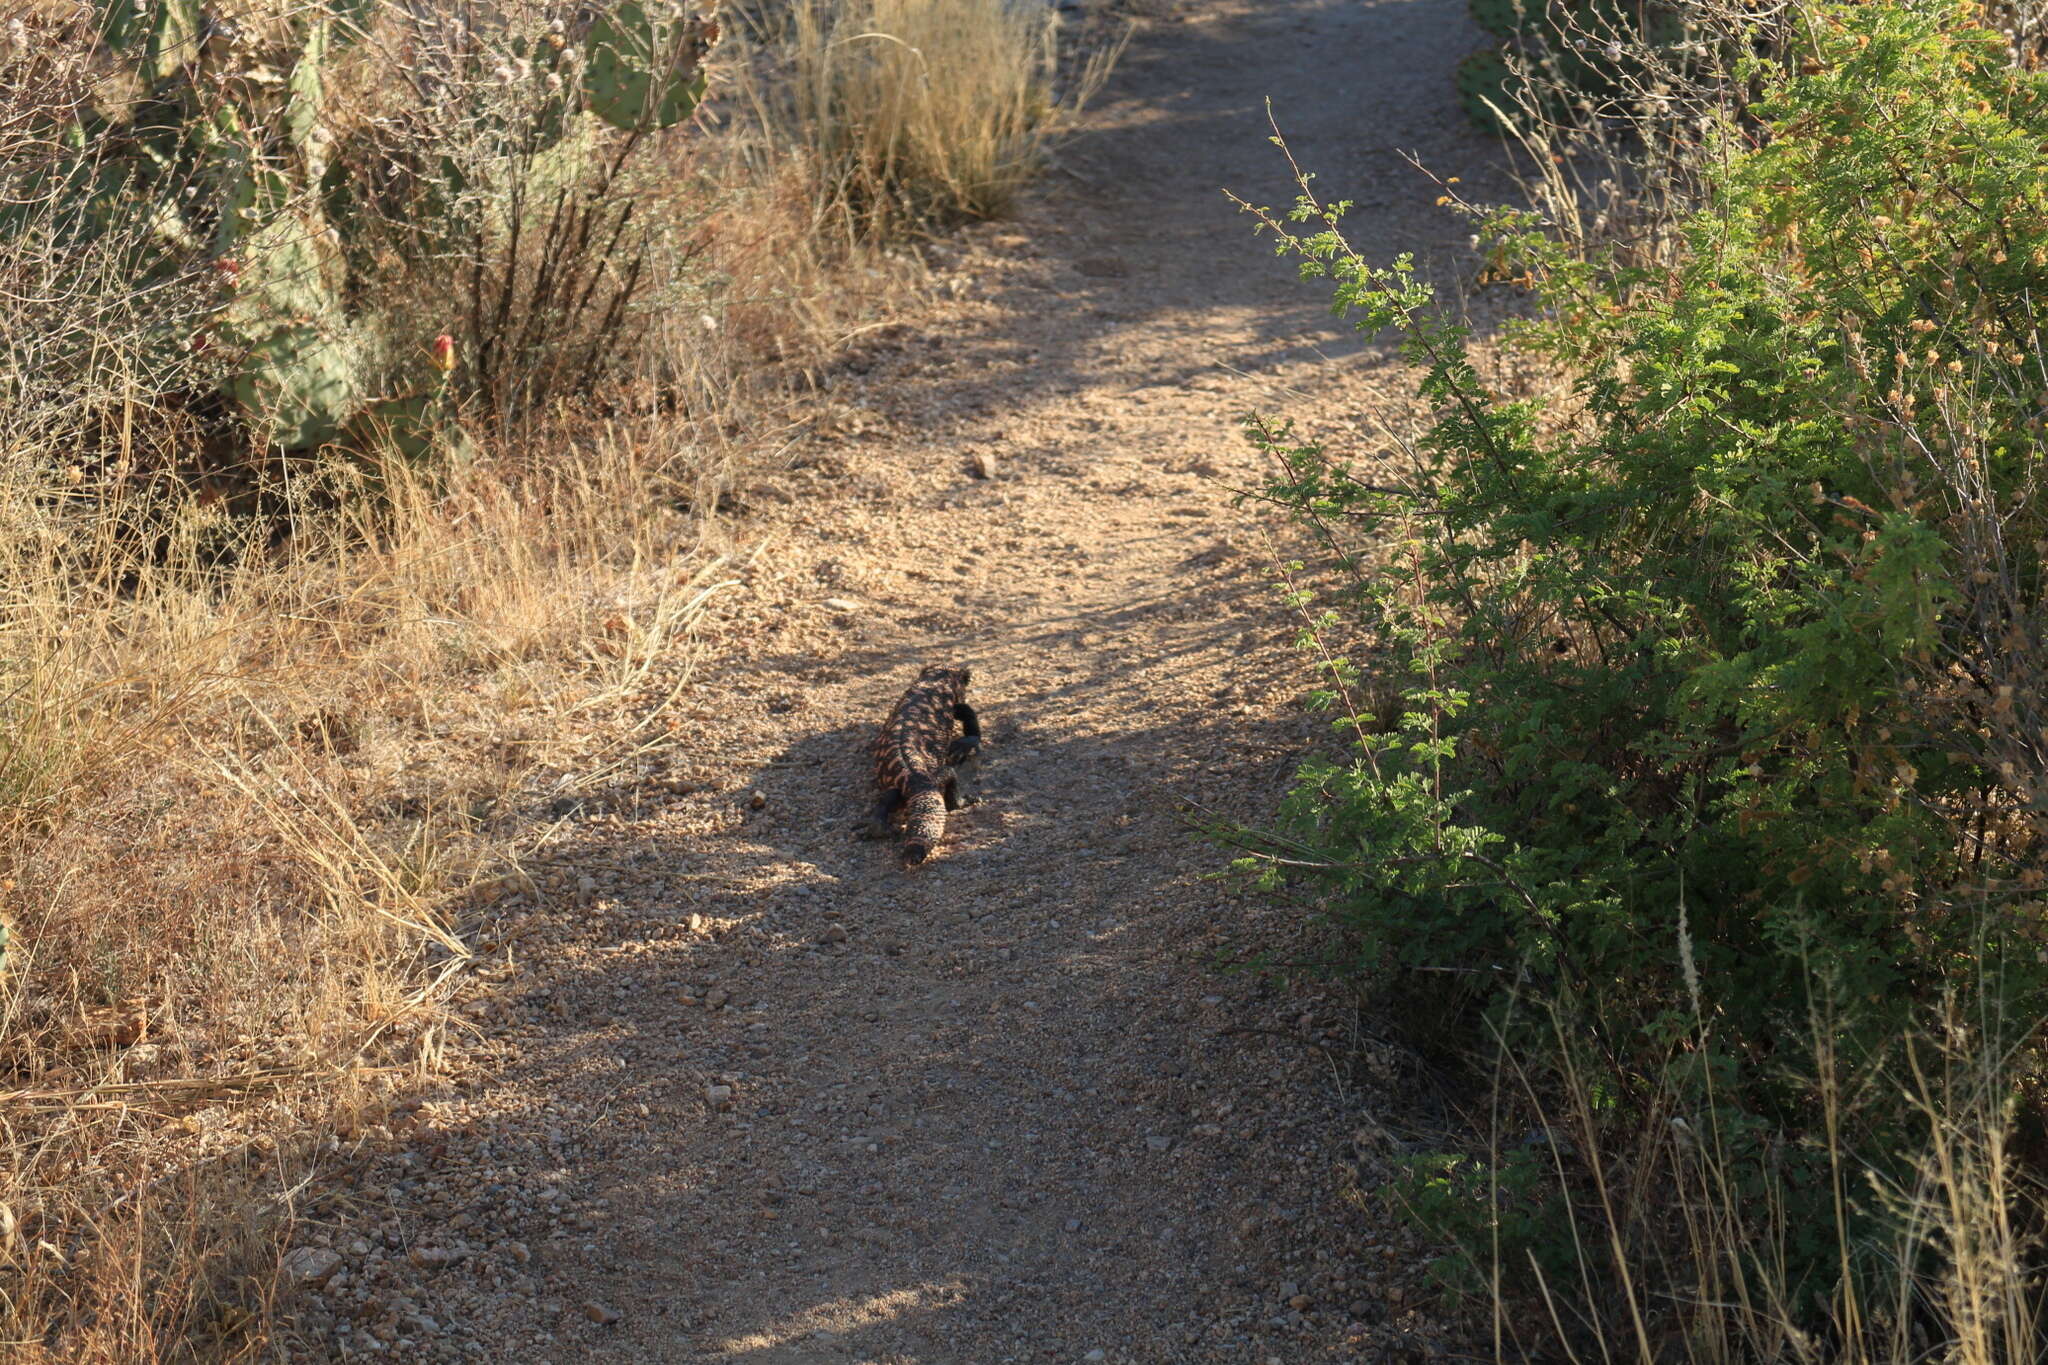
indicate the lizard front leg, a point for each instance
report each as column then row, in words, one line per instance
column 965, row 750
column 963, row 755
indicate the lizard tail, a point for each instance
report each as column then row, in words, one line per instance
column 924, row 818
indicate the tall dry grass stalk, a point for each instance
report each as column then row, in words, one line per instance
column 913, row 112
column 1682, row 1252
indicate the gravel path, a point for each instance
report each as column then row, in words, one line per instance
column 752, row 1094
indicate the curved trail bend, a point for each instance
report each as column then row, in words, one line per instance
column 767, row 1098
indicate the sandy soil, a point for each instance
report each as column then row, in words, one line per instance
column 749, row 1092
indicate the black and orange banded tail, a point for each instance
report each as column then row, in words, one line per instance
column 924, row 818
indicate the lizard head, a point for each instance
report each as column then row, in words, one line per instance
column 956, row 678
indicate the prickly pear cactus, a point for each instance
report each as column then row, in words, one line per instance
column 647, row 71
column 300, row 379
column 1503, row 18
column 1485, row 88
column 259, row 147
column 163, row 34
column 241, row 174
column 299, row 386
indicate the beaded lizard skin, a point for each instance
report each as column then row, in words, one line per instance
column 919, row 762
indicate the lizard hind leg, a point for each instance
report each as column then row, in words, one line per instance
column 878, row 823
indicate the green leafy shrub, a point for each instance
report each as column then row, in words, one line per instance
column 1717, row 767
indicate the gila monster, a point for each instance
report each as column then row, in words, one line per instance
column 919, row 761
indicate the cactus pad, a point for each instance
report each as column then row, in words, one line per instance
column 645, row 72
column 1486, row 87
column 164, row 32
column 1503, row 18
column 299, row 381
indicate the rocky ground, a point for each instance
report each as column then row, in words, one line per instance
column 738, row 1089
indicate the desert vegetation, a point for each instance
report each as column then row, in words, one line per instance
column 1687, row 671
column 372, row 378
column 368, row 378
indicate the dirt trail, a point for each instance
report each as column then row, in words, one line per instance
column 770, row 1099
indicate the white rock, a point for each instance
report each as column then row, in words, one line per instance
column 310, row 1267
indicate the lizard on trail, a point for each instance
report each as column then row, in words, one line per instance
column 919, row 762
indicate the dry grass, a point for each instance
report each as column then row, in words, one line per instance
column 261, row 806
column 1682, row 1251
column 915, row 113
column 277, row 736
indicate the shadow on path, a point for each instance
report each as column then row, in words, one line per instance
column 766, row 1097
